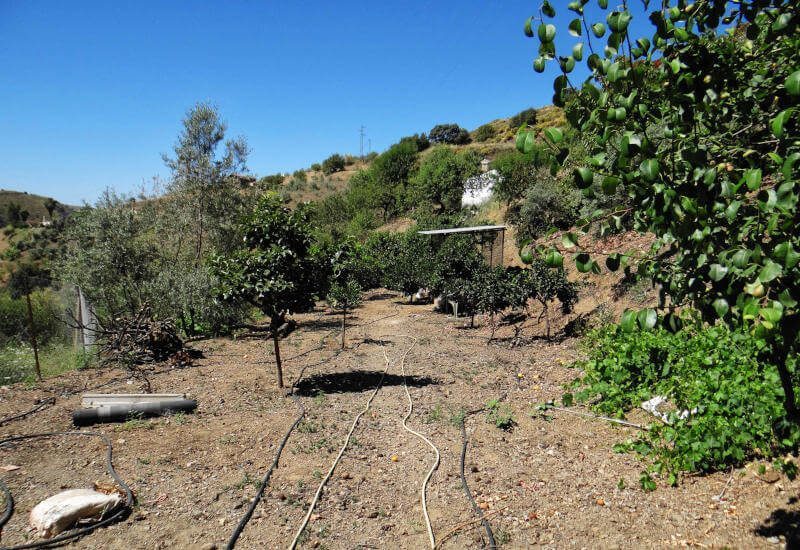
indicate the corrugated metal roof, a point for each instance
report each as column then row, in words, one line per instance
column 475, row 229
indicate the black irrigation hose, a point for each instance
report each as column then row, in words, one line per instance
column 41, row 405
column 475, row 508
column 9, row 505
column 75, row 533
column 265, row 481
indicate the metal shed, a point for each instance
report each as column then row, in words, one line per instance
column 490, row 239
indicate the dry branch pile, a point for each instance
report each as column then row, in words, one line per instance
column 138, row 340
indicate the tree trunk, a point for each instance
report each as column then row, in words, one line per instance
column 472, row 321
column 278, row 358
column 780, row 355
column 33, row 337
column 546, row 314
column 789, row 401
column 344, row 316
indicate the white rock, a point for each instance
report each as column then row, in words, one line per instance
column 61, row 511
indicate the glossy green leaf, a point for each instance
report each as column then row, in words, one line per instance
column 781, row 22
column 770, row 272
column 528, row 29
column 647, row 318
column 575, row 27
column 628, row 321
column 553, row 258
column 609, row 184
column 583, row 177
column 547, row 32
column 547, row 9
column 721, row 307
column 569, row 240
column 740, row 258
column 555, row 135
column 583, row 262
column 779, row 122
column 770, row 314
column 539, row 64
column 530, row 143
column 577, row 51
column 599, row 30
column 717, row 272
column 792, row 84
column 786, row 299
column 752, row 178
column 649, row 169
column 526, row 256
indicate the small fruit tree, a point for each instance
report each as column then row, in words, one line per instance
column 542, row 284
column 698, row 124
column 344, row 292
column 273, row 269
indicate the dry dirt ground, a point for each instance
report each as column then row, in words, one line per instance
column 549, row 482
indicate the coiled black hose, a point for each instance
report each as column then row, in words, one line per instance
column 75, row 533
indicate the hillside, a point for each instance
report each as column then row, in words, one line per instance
column 318, row 185
column 34, row 204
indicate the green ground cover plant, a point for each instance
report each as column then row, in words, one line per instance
column 734, row 399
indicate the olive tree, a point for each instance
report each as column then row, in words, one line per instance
column 698, row 124
column 203, row 165
column 273, row 268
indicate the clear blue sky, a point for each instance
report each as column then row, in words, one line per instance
column 91, row 93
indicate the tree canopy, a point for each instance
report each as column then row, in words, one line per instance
column 698, row 125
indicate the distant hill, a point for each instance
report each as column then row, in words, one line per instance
column 316, row 185
column 34, row 204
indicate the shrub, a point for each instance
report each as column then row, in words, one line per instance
column 316, row 167
column 404, row 259
column 271, row 182
column 457, row 259
column 390, row 172
column 528, row 116
column 332, row 164
column 421, row 141
column 735, row 398
column 517, row 173
column 441, row 177
column 300, row 175
column 485, row 132
column 47, row 317
column 548, row 203
column 451, row 134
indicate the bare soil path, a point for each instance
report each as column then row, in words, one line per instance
column 549, row 482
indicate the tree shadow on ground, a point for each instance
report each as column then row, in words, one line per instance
column 356, row 381
column 381, row 296
column 782, row 522
column 329, row 323
column 378, row 342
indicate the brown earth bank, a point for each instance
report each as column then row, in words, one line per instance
column 550, row 481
